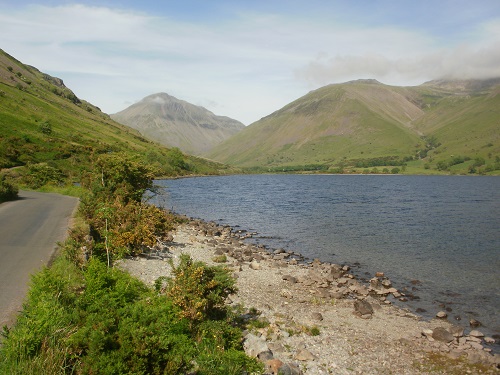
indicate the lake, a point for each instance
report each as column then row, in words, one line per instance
column 436, row 236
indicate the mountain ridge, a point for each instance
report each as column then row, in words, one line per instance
column 340, row 124
column 177, row 123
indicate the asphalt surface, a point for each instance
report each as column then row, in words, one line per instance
column 30, row 228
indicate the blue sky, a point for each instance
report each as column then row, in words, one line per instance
column 246, row 59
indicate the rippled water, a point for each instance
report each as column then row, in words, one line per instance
column 441, row 230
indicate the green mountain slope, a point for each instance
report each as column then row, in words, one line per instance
column 44, row 126
column 177, row 123
column 365, row 123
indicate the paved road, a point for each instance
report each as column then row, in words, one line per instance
column 29, row 230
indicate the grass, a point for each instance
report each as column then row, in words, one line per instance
column 338, row 124
column 42, row 123
column 441, row 364
column 99, row 320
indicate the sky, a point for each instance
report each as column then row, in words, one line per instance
column 247, row 59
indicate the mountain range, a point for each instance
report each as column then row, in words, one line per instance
column 50, row 136
column 367, row 123
column 177, row 123
column 450, row 126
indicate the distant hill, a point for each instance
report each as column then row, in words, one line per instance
column 45, row 128
column 177, row 123
column 365, row 123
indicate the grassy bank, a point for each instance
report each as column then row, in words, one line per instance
column 82, row 316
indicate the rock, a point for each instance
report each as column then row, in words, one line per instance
column 317, row 316
column 475, row 323
column 379, row 274
column 255, row 265
column 273, row 366
column 254, row 345
column 441, row 315
column 441, row 334
column 304, row 355
column 290, row 278
column 375, row 283
column 386, row 283
column 489, row 340
column 476, row 333
column 286, row 293
column 265, row 356
column 428, row 333
column 337, row 295
column 290, row 369
column 476, row 345
column 336, row 272
column 457, row 331
column 363, row 307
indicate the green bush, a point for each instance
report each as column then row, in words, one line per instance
column 38, row 175
column 103, row 321
column 7, row 190
column 199, row 290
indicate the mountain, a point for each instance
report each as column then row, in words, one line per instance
column 45, row 129
column 177, row 123
column 367, row 123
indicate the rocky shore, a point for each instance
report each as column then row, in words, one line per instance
column 318, row 318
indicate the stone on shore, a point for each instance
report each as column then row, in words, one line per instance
column 362, row 307
column 254, row 345
column 304, row 355
column 476, row 333
column 443, row 335
column 441, row 315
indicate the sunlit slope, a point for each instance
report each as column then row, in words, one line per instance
column 362, row 120
column 465, row 119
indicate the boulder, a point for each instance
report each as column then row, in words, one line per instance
column 336, row 272
column 362, row 307
column 441, row 334
column 317, row 316
column 457, row 331
column 273, row 366
column 290, row 278
column 441, row 315
column 290, row 369
column 255, row 265
column 476, row 333
column 254, row 345
column 474, row 323
column 375, row 283
column 304, row 355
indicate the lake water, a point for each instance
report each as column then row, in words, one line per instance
column 443, row 231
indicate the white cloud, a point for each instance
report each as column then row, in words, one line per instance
column 245, row 67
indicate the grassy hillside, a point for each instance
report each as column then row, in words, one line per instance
column 46, row 129
column 363, row 124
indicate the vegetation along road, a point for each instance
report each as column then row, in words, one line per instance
column 30, row 227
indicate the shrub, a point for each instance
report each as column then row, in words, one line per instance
column 7, row 190
column 38, row 175
column 199, row 290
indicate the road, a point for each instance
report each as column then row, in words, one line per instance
column 30, row 227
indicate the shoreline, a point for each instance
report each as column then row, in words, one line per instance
column 320, row 316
